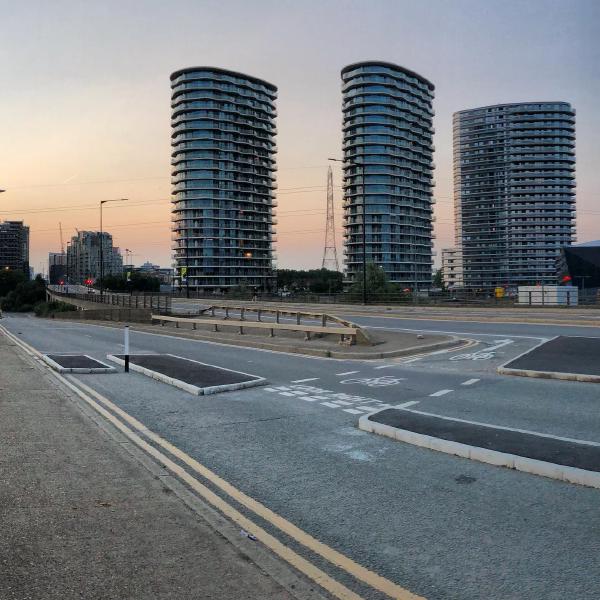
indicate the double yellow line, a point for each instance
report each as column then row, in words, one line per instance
column 134, row 430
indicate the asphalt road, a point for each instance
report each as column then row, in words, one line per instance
column 443, row 527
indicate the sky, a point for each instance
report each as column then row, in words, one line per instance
column 85, row 101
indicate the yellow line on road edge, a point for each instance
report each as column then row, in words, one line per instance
column 320, row 577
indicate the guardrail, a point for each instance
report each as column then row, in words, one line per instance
column 348, row 334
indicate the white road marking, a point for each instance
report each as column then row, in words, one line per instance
column 352, row 411
column 303, row 380
column 385, row 366
column 473, row 333
column 347, row 373
column 287, row 394
column 330, row 404
column 440, row 393
column 411, row 360
column 342, row 402
column 310, row 398
column 470, row 381
column 270, row 390
column 407, row 404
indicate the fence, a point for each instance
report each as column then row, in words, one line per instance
column 161, row 303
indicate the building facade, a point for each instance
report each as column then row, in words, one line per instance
column 57, row 267
column 452, row 268
column 514, row 191
column 14, row 246
column 223, row 175
column 83, row 257
column 388, row 171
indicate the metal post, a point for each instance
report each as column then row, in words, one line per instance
column 101, row 258
column 126, row 345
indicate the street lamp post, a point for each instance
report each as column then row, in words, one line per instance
column 102, row 203
column 364, row 225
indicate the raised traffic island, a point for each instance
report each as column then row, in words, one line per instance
column 565, row 459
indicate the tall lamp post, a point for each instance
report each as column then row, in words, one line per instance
column 364, row 224
column 102, row 203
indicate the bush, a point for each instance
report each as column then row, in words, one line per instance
column 9, row 280
column 25, row 296
column 43, row 309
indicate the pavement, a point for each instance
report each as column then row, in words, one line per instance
column 80, row 517
column 386, row 513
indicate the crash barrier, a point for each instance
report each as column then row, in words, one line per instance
column 348, row 332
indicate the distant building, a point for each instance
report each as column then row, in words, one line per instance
column 164, row 274
column 514, row 191
column 57, row 267
column 388, row 171
column 14, row 246
column 83, row 257
column 452, row 268
column 579, row 265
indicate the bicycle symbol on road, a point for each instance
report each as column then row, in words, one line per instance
column 375, row 381
column 482, row 355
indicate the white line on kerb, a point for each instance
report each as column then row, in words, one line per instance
column 441, row 393
column 347, row 373
column 303, row 380
column 470, row 382
column 407, row 404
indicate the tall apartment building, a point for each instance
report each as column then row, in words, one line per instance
column 57, row 267
column 388, row 171
column 223, row 175
column 514, row 191
column 83, row 256
column 14, row 246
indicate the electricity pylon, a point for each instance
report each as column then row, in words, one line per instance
column 330, row 259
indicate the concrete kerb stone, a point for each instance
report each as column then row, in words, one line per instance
column 550, row 375
column 79, row 370
column 484, row 455
column 188, row 387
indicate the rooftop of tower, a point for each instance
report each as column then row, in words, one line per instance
column 382, row 63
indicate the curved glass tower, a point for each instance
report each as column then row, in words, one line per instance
column 223, row 176
column 388, row 166
column 514, row 192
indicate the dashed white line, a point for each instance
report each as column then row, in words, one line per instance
column 385, row 366
column 347, row 373
column 303, row 380
column 352, row 411
column 440, row 393
column 407, row 404
column 470, row 382
column 330, row 404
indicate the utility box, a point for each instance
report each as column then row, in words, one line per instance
column 548, row 295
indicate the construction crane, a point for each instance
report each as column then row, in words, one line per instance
column 62, row 244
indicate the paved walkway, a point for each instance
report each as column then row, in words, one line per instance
column 80, row 517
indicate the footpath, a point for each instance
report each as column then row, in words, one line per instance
column 81, row 517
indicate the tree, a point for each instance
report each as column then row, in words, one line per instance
column 25, row 295
column 438, row 279
column 317, row 281
column 137, row 282
column 379, row 286
column 9, row 280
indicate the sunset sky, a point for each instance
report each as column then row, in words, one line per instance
column 86, row 99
